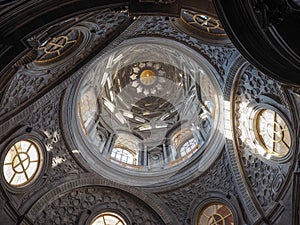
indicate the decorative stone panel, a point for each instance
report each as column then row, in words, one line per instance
column 33, row 77
column 68, row 208
column 46, row 119
column 217, row 178
column 265, row 177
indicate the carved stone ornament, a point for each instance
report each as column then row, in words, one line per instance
column 265, row 176
column 77, row 200
column 68, row 208
column 57, row 56
column 46, row 119
column 218, row 177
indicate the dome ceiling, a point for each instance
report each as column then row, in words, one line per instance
column 94, row 96
column 157, row 103
column 145, row 96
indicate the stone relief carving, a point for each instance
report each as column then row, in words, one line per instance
column 9, row 124
column 67, row 209
column 218, row 177
column 22, row 86
column 32, row 78
column 218, row 56
column 254, row 83
column 266, row 179
column 46, row 119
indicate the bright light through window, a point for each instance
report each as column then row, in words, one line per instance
column 108, row 219
column 273, row 133
column 22, row 163
column 216, row 214
column 189, row 146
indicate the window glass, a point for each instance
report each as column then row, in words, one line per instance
column 22, row 163
column 273, row 133
column 123, row 155
column 58, row 46
column 216, row 214
column 108, row 219
column 189, row 147
column 202, row 22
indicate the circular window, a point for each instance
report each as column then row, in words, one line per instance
column 216, row 214
column 22, row 163
column 58, row 47
column 202, row 22
column 205, row 26
column 272, row 133
column 108, row 218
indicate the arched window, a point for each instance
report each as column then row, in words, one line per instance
column 189, row 147
column 108, row 218
column 123, row 155
column 22, row 163
column 216, row 214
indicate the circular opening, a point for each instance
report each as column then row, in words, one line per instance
column 216, row 214
column 146, row 115
column 202, row 22
column 203, row 25
column 272, row 133
column 132, row 121
column 22, row 163
column 108, row 218
column 58, row 47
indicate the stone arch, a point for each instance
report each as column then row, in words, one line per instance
column 150, row 200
